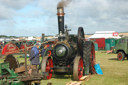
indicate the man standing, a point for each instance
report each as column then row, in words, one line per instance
column 34, row 55
column 44, row 51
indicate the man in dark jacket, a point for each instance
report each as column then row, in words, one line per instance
column 44, row 51
column 34, row 55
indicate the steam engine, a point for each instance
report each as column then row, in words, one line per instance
column 66, row 49
column 70, row 54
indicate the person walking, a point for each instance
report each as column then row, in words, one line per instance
column 34, row 55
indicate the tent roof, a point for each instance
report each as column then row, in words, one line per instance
column 104, row 34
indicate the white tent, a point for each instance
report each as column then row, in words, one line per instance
column 105, row 34
column 1, row 39
column 31, row 38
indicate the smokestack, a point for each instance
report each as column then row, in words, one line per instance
column 42, row 38
column 60, row 14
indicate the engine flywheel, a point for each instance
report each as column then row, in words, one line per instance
column 13, row 62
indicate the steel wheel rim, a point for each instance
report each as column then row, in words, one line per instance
column 77, row 68
column 120, row 56
column 80, row 68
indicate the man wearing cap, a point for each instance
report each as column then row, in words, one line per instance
column 34, row 55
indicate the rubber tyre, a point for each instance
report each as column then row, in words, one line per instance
column 89, row 58
column 120, row 56
column 80, row 41
column 86, row 56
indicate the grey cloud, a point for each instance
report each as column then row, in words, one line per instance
column 93, row 15
column 99, row 15
column 49, row 5
column 8, row 8
column 16, row 4
column 5, row 13
column 35, row 13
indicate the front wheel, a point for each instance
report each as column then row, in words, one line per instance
column 121, row 56
column 46, row 67
column 77, row 68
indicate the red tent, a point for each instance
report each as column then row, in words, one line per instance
column 100, row 42
column 10, row 49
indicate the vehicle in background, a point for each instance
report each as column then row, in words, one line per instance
column 121, row 48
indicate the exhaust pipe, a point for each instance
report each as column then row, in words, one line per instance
column 60, row 14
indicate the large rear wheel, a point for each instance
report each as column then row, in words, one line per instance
column 46, row 66
column 77, row 68
column 80, row 41
column 89, row 58
column 92, row 59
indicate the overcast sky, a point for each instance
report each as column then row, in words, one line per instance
column 34, row 17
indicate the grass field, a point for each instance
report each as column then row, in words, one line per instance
column 114, row 72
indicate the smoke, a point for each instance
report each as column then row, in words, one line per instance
column 63, row 3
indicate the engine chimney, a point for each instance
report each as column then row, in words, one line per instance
column 60, row 14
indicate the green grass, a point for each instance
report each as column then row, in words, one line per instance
column 114, row 72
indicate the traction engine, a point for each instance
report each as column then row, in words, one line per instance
column 71, row 54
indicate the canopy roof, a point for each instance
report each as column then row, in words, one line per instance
column 105, row 34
